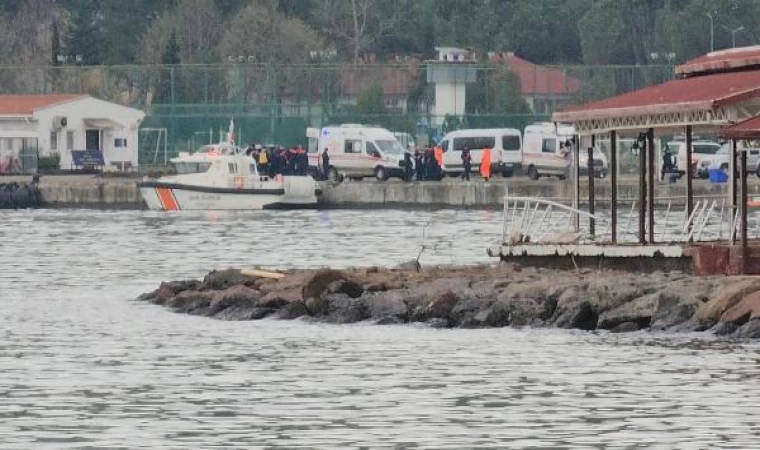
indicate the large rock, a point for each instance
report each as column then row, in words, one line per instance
column 710, row 312
column 344, row 309
column 438, row 308
column 192, row 302
column 385, row 305
column 235, row 295
column 219, row 280
column 638, row 311
column 278, row 299
column 167, row 290
column 524, row 311
column 610, row 292
column 292, row 311
column 240, row 312
column 317, row 285
column 574, row 311
column 750, row 330
column 678, row 302
column 466, row 311
column 348, row 287
column 747, row 309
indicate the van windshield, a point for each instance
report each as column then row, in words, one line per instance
column 706, row 149
column 510, row 143
column 390, row 147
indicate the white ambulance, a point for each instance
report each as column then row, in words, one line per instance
column 356, row 152
column 547, row 151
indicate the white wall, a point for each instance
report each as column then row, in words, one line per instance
column 91, row 108
column 449, row 99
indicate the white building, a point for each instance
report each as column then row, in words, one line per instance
column 64, row 123
column 450, row 73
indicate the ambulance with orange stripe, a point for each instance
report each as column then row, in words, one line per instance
column 356, row 152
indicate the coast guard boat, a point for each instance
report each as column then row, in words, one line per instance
column 222, row 177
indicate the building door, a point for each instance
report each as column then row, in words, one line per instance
column 92, row 140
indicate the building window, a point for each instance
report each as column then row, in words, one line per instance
column 69, row 140
column 53, row 140
column 120, row 143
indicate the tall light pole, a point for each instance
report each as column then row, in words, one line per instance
column 711, row 15
column 733, row 34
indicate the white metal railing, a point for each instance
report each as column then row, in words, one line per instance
column 529, row 220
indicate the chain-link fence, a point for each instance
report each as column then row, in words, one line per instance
column 191, row 105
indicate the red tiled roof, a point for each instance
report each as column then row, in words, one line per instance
column 535, row 79
column 702, row 93
column 724, row 60
column 24, row 105
column 749, row 129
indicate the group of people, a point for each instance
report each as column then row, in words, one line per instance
column 427, row 164
column 273, row 161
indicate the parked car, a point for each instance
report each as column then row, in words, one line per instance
column 545, row 152
column 723, row 155
column 703, row 155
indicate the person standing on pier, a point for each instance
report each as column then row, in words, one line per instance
column 263, row 160
column 438, row 153
column 485, row 164
column 466, row 164
column 408, row 172
column 326, row 164
column 418, row 164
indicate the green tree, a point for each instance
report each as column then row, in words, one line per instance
column 371, row 100
column 55, row 45
column 85, row 32
column 169, row 77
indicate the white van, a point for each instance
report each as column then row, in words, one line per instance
column 505, row 145
column 356, row 151
column 703, row 155
column 547, row 152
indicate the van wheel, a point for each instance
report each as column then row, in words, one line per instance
column 533, row 173
column 333, row 175
column 380, row 174
column 507, row 172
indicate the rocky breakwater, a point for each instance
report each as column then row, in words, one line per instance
column 19, row 196
column 477, row 297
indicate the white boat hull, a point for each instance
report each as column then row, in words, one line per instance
column 172, row 197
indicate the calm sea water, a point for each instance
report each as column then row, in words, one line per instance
column 82, row 365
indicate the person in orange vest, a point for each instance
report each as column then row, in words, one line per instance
column 485, row 164
column 439, row 161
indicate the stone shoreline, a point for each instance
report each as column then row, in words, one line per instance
column 478, row 297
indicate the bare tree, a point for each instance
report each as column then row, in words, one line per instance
column 358, row 24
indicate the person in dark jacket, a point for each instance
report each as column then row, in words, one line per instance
column 466, row 163
column 418, row 164
column 408, row 167
column 325, row 164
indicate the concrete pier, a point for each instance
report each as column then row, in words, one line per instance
column 87, row 191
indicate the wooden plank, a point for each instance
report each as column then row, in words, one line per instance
column 262, row 274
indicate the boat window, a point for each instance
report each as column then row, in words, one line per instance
column 549, row 146
column 390, row 147
column 353, row 146
column 474, row 143
column 313, row 146
column 444, row 146
column 191, row 167
column 232, row 167
column 510, row 143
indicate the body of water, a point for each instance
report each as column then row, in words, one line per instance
column 82, row 365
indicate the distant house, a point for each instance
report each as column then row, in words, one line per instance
column 59, row 124
column 545, row 89
column 397, row 80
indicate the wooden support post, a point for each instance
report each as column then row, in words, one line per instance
column 642, row 193
column 733, row 189
column 689, row 187
column 743, row 206
column 590, row 165
column 613, row 181
column 577, row 180
column 650, row 177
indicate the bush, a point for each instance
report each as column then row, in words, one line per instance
column 51, row 162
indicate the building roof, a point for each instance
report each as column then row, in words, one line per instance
column 749, row 129
column 25, row 105
column 702, row 93
column 721, row 61
column 394, row 79
column 536, row 79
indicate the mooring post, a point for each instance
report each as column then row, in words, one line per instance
column 642, row 192
column 576, row 181
column 650, row 177
column 613, row 181
column 743, row 206
column 590, row 164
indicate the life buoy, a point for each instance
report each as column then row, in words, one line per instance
column 239, row 182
